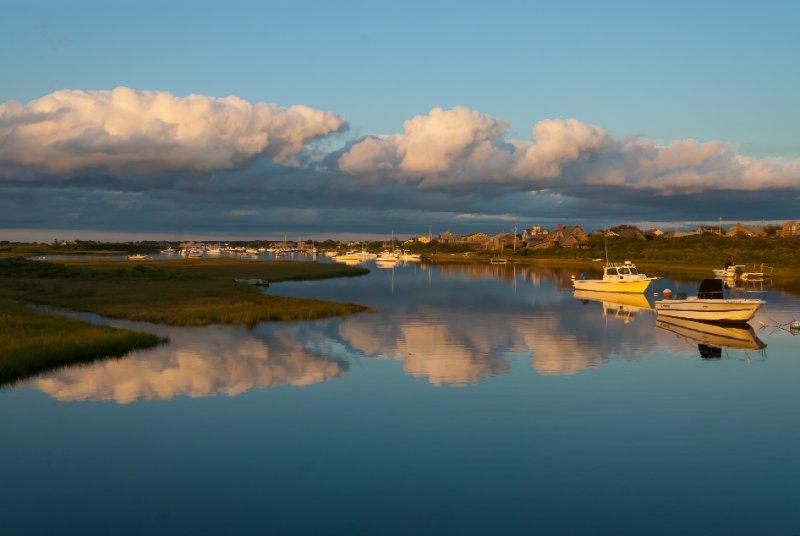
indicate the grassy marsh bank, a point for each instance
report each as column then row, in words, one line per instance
column 32, row 342
column 189, row 292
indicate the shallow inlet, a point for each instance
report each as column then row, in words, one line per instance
column 483, row 390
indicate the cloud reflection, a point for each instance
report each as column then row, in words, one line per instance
column 197, row 362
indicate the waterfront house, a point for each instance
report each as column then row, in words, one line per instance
column 535, row 231
column 741, row 230
column 570, row 236
column 627, row 231
column 448, row 237
column 540, row 241
column 790, row 228
column 479, row 239
column 508, row 240
column 655, row 232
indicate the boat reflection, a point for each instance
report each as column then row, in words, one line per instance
column 617, row 305
column 712, row 338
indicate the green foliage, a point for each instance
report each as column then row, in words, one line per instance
column 32, row 342
column 706, row 249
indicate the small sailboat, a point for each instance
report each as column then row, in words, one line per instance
column 709, row 305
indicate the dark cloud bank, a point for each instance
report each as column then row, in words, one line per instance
column 126, row 160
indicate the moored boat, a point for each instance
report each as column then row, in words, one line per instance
column 617, row 277
column 709, row 305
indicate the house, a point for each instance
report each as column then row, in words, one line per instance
column 749, row 232
column 479, row 239
column 508, row 240
column 790, row 228
column 449, row 237
column 655, row 232
column 539, row 242
column 424, row 239
column 627, row 231
column 534, row 231
column 708, row 230
column 570, row 236
column 680, row 234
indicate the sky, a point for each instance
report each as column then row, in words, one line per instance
column 232, row 118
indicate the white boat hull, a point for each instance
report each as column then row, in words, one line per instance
column 603, row 285
column 709, row 310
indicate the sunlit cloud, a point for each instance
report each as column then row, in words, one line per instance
column 125, row 130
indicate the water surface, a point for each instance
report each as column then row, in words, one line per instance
column 476, row 399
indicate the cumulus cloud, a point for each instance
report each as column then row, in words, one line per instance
column 125, row 130
column 464, row 150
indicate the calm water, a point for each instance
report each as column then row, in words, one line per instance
column 476, row 399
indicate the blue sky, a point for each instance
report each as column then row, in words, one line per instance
column 725, row 71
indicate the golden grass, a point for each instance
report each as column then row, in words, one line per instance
column 190, row 292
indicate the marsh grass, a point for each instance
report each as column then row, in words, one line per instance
column 32, row 342
column 192, row 292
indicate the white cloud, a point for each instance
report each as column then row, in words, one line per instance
column 464, row 150
column 125, row 130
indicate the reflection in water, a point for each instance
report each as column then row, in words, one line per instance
column 465, row 325
column 712, row 338
column 197, row 362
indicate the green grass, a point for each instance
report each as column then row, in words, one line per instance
column 708, row 250
column 191, row 292
column 32, row 342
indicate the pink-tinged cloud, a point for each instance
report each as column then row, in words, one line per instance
column 464, row 150
column 125, row 130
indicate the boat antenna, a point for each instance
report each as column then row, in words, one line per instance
column 605, row 243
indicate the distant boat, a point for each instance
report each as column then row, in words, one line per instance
column 709, row 305
column 731, row 272
column 498, row 260
column 137, row 257
column 410, row 257
column 617, row 277
column 168, row 251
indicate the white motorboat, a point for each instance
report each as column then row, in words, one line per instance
column 388, row 256
column 410, row 257
column 730, row 272
column 709, row 305
column 617, row 277
column 137, row 257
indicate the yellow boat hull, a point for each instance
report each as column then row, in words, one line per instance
column 600, row 285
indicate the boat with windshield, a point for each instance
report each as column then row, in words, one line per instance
column 617, row 277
